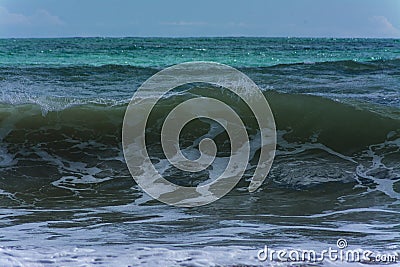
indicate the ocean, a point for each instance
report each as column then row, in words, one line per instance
column 68, row 199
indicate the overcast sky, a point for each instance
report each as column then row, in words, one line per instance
column 309, row 18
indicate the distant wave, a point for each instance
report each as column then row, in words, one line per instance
column 336, row 66
column 323, row 65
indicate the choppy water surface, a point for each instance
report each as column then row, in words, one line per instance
column 67, row 198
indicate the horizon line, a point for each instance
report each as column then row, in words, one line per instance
column 205, row 36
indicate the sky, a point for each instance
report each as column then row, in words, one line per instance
column 187, row 18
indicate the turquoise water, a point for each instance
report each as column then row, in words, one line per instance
column 67, row 198
column 162, row 52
